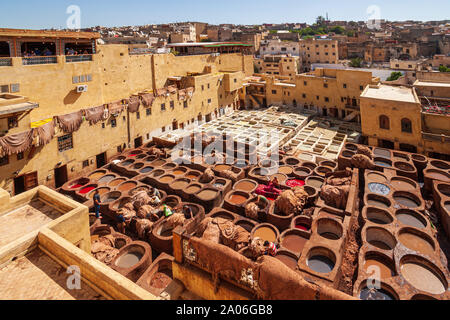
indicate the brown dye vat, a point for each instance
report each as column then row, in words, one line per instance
column 417, row 243
column 330, row 164
column 172, row 201
column 246, row 185
column 208, row 194
column 180, row 184
column 266, row 232
column 161, row 279
column 169, row 166
column 157, row 173
column 302, row 172
column 192, row 189
column 288, row 259
column 138, row 166
column 285, row 170
column 314, row 182
column 401, row 156
column 294, row 242
column 292, row 161
column 348, row 154
column 375, row 265
column 128, row 260
column 438, row 175
column 246, row 224
column 237, row 199
column 403, row 166
column 310, row 165
column 440, row 164
column 127, row 186
column 98, row 174
column 110, row 197
column 422, row 277
column 376, row 177
column 351, row 146
column 378, row 216
column 380, row 238
column 378, row 201
column 400, row 183
column 222, row 167
column 116, row 182
column 158, row 163
column 280, row 177
column 444, row 189
column 116, row 205
column 178, row 171
column 329, row 229
column 406, row 200
column 193, row 175
column 322, row 170
column 166, row 179
column 101, row 191
column 411, row 218
column 224, row 215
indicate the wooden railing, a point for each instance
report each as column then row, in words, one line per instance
column 5, row 62
column 79, row 58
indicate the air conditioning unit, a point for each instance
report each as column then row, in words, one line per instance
column 82, row 88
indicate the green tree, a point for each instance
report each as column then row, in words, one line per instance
column 444, row 69
column 356, row 62
column 320, row 21
column 337, row 30
column 394, row 76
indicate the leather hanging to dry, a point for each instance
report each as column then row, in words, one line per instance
column 95, row 114
column 116, row 108
column 70, row 122
column 172, row 89
column 46, row 132
column 133, row 104
column 161, row 92
column 182, row 94
column 147, row 99
column 17, row 143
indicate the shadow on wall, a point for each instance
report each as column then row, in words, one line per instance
column 71, row 97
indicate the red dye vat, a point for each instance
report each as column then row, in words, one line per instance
column 87, row 190
column 132, row 155
column 76, row 186
column 295, row 183
column 303, row 227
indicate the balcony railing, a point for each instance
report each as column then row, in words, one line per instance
column 79, row 58
column 436, row 137
column 28, row 61
column 5, row 62
column 349, row 106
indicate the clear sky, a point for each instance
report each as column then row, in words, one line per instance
column 38, row 14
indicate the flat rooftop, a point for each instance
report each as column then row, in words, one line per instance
column 432, row 84
column 26, row 219
column 385, row 92
column 45, row 280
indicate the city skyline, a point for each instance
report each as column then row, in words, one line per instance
column 134, row 12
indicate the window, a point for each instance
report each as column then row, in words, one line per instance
column 119, row 149
column 317, row 97
column 304, row 96
column 305, row 83
column 406, row 125
column 208, row 86
column 203, row 88
column 185, row 104
column 148, row 112
column 13, row 122
column 209, row 101
column 361, row 88
column 20, row 156
column 4, row 89
column 163, row 107
column 15, row 87
column 138, row 115
column 325, row 85
column 65, row 142
column 113, row 123
column 235, row 80
column 345, row 86
column 85, row 163
column 172, row 105
column 163, row 129
column 274, row 91
column 327, row 99
column 384, row 122
column 4, row 160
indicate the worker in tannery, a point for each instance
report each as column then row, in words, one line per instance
column 97, row 203
column 271, row 248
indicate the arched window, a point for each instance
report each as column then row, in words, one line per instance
column 384, row 122
column 406, row 125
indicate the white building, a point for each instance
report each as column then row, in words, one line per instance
column 277, row 47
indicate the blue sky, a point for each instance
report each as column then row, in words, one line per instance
column 52, row 13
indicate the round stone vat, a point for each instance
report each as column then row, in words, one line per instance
column 193, row 175
column 209, row 197
column 383, row 293
column 287, row 170
column 379, row 188
column 114, row 183
column 127, row 186
column 411, row 218
column 404, row 166
column 329, row 229
column 83, row 191
column 101, row 191
column 380, row 238
column 75, row 185
column 310, row 165
column 322, row 171
column 179, row 171
column 158, row 276
column 377, row 215
column 288, row 258
column 247, row 224
column 179, row 185
column 437, row 174
column 133, row 260
column 294, row 240
column 348, row 154
column 351, row 146
column 161, row 237
column 302, row 173
column 417, row 241
column 444, row 189
column 172, row 201
column 327, row 163
column 191, row 190
column 126, row 163
column 146, row 170
column 223, row 214
column 440, row 164
column 382, row 162
column 97, row 174
column 158, row 163
column 119, row 203
column 266, row 232
column 321, row 260
column 109, row 197
column 166, row 180
column 246, row 185
column 235, row 201
column 377, row 264
column 376, row 177
column 422, row 274
column 383, row 153
column 106, row 179
column 281, row 177
column 138, row 189
column 291, row 161
column 301, row 223
column 406, row 199
column 403, row 184
column 376, row 200
column 137, row 166
column 315, row 182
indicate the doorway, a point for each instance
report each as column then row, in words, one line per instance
column 101, row 159
column 175, row 125
column 138, row 142
column 61, row 176
column 386, row 144
column 25, row 182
